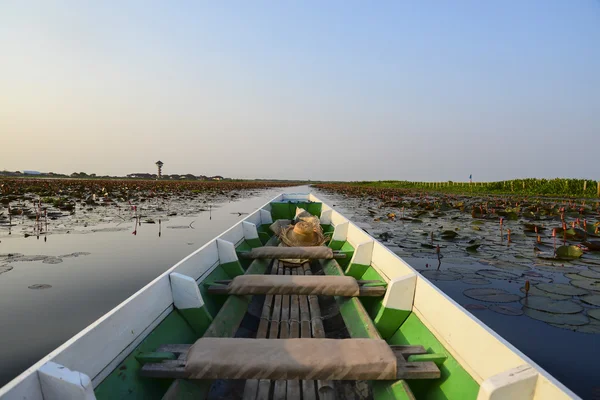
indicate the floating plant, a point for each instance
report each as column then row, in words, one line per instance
column 547, row 304
column 495, row 274
column 506, row 310
column 492, row 295
column 592, row 299
column 588, row 284
column 552, row 318
column 441, row 275
column 562, row 289
column 40, row 286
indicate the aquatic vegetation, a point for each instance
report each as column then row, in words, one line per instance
column 491, row 295
column 591, row 299
column 561, row 288
column 5, row 268
column 40, row 286
column 549, row 246
column 505, row 310
column 547, row 304
column 441, row 275
column 537, row 187
column 29, row 206
column 552, row 318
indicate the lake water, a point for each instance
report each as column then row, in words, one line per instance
column 101, row 269
column 36, row 321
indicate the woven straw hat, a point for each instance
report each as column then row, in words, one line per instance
column 302, row 234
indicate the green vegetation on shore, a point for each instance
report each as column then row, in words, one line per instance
column 530, row 187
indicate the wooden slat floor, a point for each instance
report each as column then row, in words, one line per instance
column 284, row 317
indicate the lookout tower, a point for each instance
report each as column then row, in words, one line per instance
column 159, row 164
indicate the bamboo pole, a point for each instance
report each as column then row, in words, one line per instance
column 584, row 186
column 598, row 188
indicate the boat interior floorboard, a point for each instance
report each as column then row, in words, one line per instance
column 291, row 316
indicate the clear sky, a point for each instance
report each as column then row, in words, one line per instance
column 348, row 90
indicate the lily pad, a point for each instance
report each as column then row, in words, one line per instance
column 76, row 254
column 492, row 295
column 562, row 319
column 506, row 310
column 594, row 313
column 592, row 299
column 462, row 270
column 576, row 276
column 590, row 274
column 109, row 229
column 589, row 328
column 561, row 288
column 5, row 268
column 476, row 281
column 449, row 234
column 588, row 284
column 547, row 304
column 495, row 274
column 475, row 306
column 569, row 252
column 556, row 268
column 472, row 248
column 31, row 258
column 40, row 286
column 52, row 260
column 10, row 256
column 533, row 291
column 441, row 275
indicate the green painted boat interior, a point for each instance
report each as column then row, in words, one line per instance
column 364, row 317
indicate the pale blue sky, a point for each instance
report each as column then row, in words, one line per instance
column 349, row 90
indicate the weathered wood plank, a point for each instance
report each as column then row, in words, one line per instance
column 326, row 390
column 223, row 288
column 407, row 351
column 405, row 370
column 417, row 370
column 280, row 386
column 252, row 385
column 308, row 386
column 264, row 386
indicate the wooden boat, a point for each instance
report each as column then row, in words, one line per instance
column 394, row 335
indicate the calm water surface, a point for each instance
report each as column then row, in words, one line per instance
column 36, row 321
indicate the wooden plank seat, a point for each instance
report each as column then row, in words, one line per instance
column 298, row 285
column 290, row 359
column 282, row 252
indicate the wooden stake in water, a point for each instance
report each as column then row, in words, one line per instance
column 439, row 256
column 501, row 232
column 554, row 239
column 527, row 288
